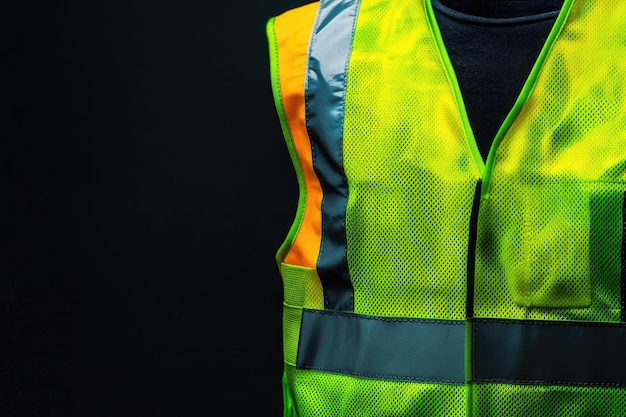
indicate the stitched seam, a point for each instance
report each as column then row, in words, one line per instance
column 549, row 323
column 382, row 376
column 386, row 319
column 548, row 381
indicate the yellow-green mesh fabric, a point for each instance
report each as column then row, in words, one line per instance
column 550, row 229
column 411, row 177
column 411, row 184
column 318, row 394
column 547, row 401
column 301, row 289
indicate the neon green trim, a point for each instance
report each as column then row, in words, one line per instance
column 479, row 164
column 290, row 363
column 280, row 109
column 292, row 306
column 468, row 367
column 529, row 85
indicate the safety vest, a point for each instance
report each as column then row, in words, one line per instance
column 420, row 280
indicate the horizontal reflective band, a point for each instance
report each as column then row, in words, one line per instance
column 382, row 347
column 540, row 352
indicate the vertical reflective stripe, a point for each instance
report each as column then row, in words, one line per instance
column 471, row 251
column 324, row 100
column 290, row 43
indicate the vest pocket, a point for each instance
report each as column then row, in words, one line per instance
column 551, row 265
column 571, row 247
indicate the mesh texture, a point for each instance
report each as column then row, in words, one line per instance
column 327, row 395
column 410, row 195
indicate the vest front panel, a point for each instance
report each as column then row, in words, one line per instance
column 551, row 229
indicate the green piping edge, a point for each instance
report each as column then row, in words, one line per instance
column 280, row 109
column 479, row 164
column 469, row 390
column 527, row 90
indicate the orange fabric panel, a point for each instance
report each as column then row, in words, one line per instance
column 293, row 30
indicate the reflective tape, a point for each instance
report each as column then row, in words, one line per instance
column 382, row 347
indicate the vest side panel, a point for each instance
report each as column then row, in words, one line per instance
column 289, row 39
column 411, row 183
column 288, row 36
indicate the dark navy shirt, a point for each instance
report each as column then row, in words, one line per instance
column 493, row 45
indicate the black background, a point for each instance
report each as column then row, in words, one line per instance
column 146, row 187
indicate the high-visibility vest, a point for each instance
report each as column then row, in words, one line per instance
column 421, row 280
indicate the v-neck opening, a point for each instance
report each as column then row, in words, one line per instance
column 484, row 167
column 493, row 56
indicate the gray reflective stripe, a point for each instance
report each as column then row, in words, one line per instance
column 329, row 52
column 549, row 352
column 381, row 347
